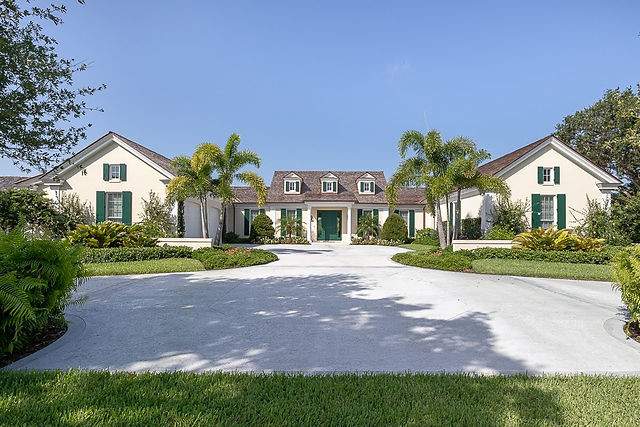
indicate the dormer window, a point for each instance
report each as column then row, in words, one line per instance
column 329, row 186
column 292, row 186
column 367, row 187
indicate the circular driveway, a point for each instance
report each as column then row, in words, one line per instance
column 342, row 308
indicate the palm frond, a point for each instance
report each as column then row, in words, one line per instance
column 256, row 182
column 231, row 147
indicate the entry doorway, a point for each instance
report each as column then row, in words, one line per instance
column 329, row 226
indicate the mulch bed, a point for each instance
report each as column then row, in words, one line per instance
column 50, row 334
column 632, row 329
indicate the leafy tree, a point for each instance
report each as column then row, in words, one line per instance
column 625, row 213
column 38, row 99
column 510, row 215
column 394, row 228
column 194, row 180
column 32, row 211
column 600, row 220
column 608, row 133
column 368, row 226
column 261, row 226
column 75, row 211
column 157, row 216
column 228, row 164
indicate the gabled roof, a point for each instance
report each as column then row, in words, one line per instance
column 154, row 159
column 329, row 175
column 511, row 160
column 366, row 176
column 11, row 181
column 292, row 175
column 245, row 194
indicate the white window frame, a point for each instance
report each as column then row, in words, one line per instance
column 370, row 187
column 550, row 174
column 547, row 222
column 291, row 186
column 331, row 185
column 113, row 218
column 114, row 172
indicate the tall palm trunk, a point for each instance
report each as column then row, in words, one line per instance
column 222, row 224
column 448, row 210
column 204, row 217
column 439, row 227
column 458, row 216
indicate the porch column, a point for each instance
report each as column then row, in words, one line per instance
column 349, row 224
column 309, row 225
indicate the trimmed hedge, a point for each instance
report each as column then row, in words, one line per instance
column 574, row 257
column 449, row 261
column 91, row 255
column 218, row 258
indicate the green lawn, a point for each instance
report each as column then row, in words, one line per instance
column 166, row 265
column 97, row 398
column 419, row 248
column 559, row 270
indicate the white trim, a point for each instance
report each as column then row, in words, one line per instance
column 290, row 180
column 333, row 181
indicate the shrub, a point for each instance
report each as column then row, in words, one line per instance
column 368, row 227
column 219, row 258
column 440, row 260
column 32, row 211
column 74, row 212
column 626, row 275
column 597, row 221
column 625, row 213
column 375, row 241
column 134, row 254
column 111, row 235
column 293, row 240
column 556, row 240
column 427, row 236
column 261, row 227
column 394, row 228
column 231, row 237
column 157, row 217
column 470, row 228
column 37, row 278
column 510, row 215
column 574, row 257
column 499, row 233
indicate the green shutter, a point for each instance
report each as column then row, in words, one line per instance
column 359, row 216
column 283, row 215
column 299, row 219
column 376, row 215
column 247, row 214
column 412, row 223
column 536, row 207
column 126, row 207
column 556, row 175
column 105, row 171
column 100, row 207
column 540, row 175
column 123, row 172
column 562, row 211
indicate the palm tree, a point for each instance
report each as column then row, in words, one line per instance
column 228, row 164
column 368, row 226
column 193, row 179
column 291, row 226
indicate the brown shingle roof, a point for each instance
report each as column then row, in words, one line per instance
column 410, row 196
column 245, row 195
column 11, row 181
column 496, row 165
column 157, row 158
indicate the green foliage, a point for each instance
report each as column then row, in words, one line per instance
column 441, row 260
column 608, row 133
column 625, row 216
column 498, row 232
column 37, row 278
column 165, row 265
column 573, row 257
column 293, row 240
column 626, row 273
column 471, row 228
column 261, row 227
column 74, row 211
column 558, row 270
column 121, row 254
column 598, row 221
column 394, row 228
column 375, row 241
column 510, row 215
column 292, row 226
column 111, row 235
column 219, row 258
column 157, row 218
column 40, row 108
column 368, row 227
column 556, row 240
column 32, row 211
column 427, row 236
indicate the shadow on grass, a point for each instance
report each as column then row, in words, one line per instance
column 201, row 399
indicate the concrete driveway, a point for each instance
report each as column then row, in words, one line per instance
column 342, row 308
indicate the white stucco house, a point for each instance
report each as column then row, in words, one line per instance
column 114, row 175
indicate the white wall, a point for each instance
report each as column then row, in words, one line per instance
column 193, row 221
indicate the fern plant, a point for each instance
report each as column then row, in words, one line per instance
column 626, row 274
column 111, row 235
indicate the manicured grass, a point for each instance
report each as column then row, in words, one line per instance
column 558, row 270
column 97, row 398
column 418, row 247
column 165, row 265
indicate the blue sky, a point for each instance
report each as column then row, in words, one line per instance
column 333, row 84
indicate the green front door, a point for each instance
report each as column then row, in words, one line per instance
column 329, row 225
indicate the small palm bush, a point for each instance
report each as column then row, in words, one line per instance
column 111, row 235
column 368, row 227
column 394, row 228
column 556, row 240
column 427, row 236
column 261, row 227
column 37, row 278
column 626, row 274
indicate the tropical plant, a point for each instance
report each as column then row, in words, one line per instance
column 32, row 211
column 507, row 214
column 625, row 215
column 157, row 216
column 427, row 236
column 368, row 227
column 111, row 235
column 74, row 211
column 37, row 278
column 626, row 274
column 193, row 179
column 499, row 232
column 471, row 228
column 556, row 240
column 292, row 226
column 597, row 220
column 228, row 164
column 261, row 227
column 394, row 228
